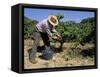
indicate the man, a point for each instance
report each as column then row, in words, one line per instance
column 44, row 29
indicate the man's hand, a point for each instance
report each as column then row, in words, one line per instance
column 54, row 37
column 57, row 37
column 50, row 38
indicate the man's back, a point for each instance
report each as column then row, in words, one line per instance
column 42, row 25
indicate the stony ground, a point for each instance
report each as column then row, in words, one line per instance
column 60, row 59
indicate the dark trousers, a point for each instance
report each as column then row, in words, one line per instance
column 45, row 38
column 37, row 36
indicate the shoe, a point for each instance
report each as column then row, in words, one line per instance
column 34, row 61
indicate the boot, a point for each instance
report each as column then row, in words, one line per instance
column 32, row 55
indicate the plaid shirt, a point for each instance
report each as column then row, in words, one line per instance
column 44, row 27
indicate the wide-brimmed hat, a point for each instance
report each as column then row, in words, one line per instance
column 53, row 20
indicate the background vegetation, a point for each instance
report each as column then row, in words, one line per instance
column 83, row 32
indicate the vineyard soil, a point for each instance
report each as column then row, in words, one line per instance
column 60, row 59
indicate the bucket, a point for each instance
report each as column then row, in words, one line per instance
column 47, row 55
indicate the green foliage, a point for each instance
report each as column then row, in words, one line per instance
column 78, row 32
column 29, row 27
column 88, row 20
column 88, row 30
column 70, row 30
column 60, row 16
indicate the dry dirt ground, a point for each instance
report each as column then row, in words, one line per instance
column 59, row 59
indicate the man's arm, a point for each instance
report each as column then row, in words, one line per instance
column 55, row 32
column 58, row 36
column 49, row 32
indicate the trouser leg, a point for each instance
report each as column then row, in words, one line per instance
column 48, row 52
column 32, row 55
column 45, row 39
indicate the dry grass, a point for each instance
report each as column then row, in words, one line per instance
column 70, row 56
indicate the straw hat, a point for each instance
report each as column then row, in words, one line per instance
column 53, row 20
